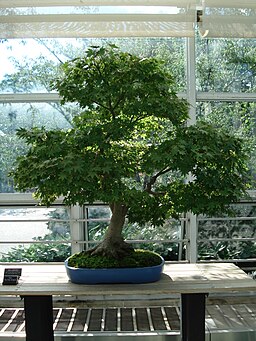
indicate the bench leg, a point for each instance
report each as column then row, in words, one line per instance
column 193, row 317
column 38, row 318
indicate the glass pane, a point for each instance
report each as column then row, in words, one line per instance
column 238, row 117
column 98, row 220
column 226, row 65
column 159, row 239
column 14, row 116
column 28, row 65
column 29, row 115
column 229, row 237
column 34, row 234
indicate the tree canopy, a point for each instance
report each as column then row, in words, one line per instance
column 221, row 65
column 130, row 144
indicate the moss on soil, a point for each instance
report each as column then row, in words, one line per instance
column 137, row 259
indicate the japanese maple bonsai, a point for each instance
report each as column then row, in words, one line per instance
column 130, row 147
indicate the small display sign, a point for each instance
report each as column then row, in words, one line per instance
column 11, row 276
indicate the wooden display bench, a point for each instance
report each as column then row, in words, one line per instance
column 39, row 283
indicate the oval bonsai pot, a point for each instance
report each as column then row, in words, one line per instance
column 114, row 275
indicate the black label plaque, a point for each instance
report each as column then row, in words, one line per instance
column 10, row 280
column 12, row 272
column 11, row 276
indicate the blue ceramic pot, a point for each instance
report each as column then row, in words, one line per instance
column 114, row 275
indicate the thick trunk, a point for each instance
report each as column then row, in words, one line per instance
column 117, row 221
column 113, row 244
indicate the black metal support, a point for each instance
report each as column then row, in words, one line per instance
column 38, row 318
column 193, row 317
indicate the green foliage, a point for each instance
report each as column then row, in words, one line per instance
column 137, row 259
column 130, row 144
column 120, row 88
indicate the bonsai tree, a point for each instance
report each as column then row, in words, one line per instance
column 129, row 146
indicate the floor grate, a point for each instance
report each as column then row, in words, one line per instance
column 219, row 317
column 99, row 319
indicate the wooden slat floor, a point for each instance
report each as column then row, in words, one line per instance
column 240, row 317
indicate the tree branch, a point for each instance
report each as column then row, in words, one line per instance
column 50, row 50
column 152, row 180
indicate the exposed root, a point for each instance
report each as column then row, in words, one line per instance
column 112, row 249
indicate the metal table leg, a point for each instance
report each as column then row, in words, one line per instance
column 38, row 318
column 193, row 317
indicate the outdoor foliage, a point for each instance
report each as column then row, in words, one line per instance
column 212, row 235
column 54, row 246
column 45, row 252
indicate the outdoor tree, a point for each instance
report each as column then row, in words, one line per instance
column 130, row 147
